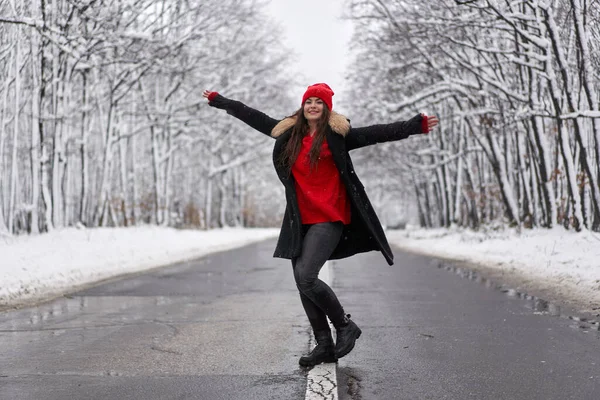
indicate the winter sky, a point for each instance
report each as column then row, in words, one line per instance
column 316, row 32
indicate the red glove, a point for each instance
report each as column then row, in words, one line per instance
column 424, row 124
column 212, row 96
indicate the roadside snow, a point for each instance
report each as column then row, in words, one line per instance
column 555, row 264
column 33, row 268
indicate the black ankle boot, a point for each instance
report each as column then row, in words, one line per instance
column 323, row 352
column 347, row 333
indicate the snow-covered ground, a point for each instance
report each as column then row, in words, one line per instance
column 556, row 264
column 34, row 268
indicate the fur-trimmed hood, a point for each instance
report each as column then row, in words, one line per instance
column 337, row 122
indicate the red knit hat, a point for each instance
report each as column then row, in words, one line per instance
column 320, row 90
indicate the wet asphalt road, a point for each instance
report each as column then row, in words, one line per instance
column 434, row 331
column 230, row 326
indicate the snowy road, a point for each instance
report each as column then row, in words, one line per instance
column 230, row 326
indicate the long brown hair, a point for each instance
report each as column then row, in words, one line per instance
column 288, row 156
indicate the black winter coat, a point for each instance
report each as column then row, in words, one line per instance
column 364, row 233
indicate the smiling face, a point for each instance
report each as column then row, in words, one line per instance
column 313, row 109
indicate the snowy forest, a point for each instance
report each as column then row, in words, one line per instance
column 515, row 85
column 102, row 120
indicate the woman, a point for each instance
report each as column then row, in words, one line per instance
column 328, row 215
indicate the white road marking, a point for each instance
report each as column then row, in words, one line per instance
column 322, row 378
column 322, row 383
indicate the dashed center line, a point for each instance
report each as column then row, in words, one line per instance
column 322, row 378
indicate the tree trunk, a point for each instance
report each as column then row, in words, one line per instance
column 587, row 77
column 100, row 215
column 123, row 178
column 83, row 149
column 556, row 94
column 157, row 175
column 35, row 126
column 135, row 209
column 459, row 173
column 14, row 170
column 3, row 133
column 223, row 205
column 502, row 175
column 209, row 200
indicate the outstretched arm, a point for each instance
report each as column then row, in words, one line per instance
column 368, row 135
column 256, row 119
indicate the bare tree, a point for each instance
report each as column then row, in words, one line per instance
column 505, row 80
column 105, row 100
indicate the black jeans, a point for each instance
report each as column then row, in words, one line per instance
column 318, row 300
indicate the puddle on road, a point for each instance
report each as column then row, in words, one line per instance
column 81, row 312
column 537, row 305
column 349, row 383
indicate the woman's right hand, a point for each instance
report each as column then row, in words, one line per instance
column 207, row 93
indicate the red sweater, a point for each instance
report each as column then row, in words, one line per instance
column 321, row 194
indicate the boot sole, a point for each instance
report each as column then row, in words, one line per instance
column 331, row 359
column 343, row 352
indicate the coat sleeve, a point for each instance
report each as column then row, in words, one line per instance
column 368, row 135
column 254, row 118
